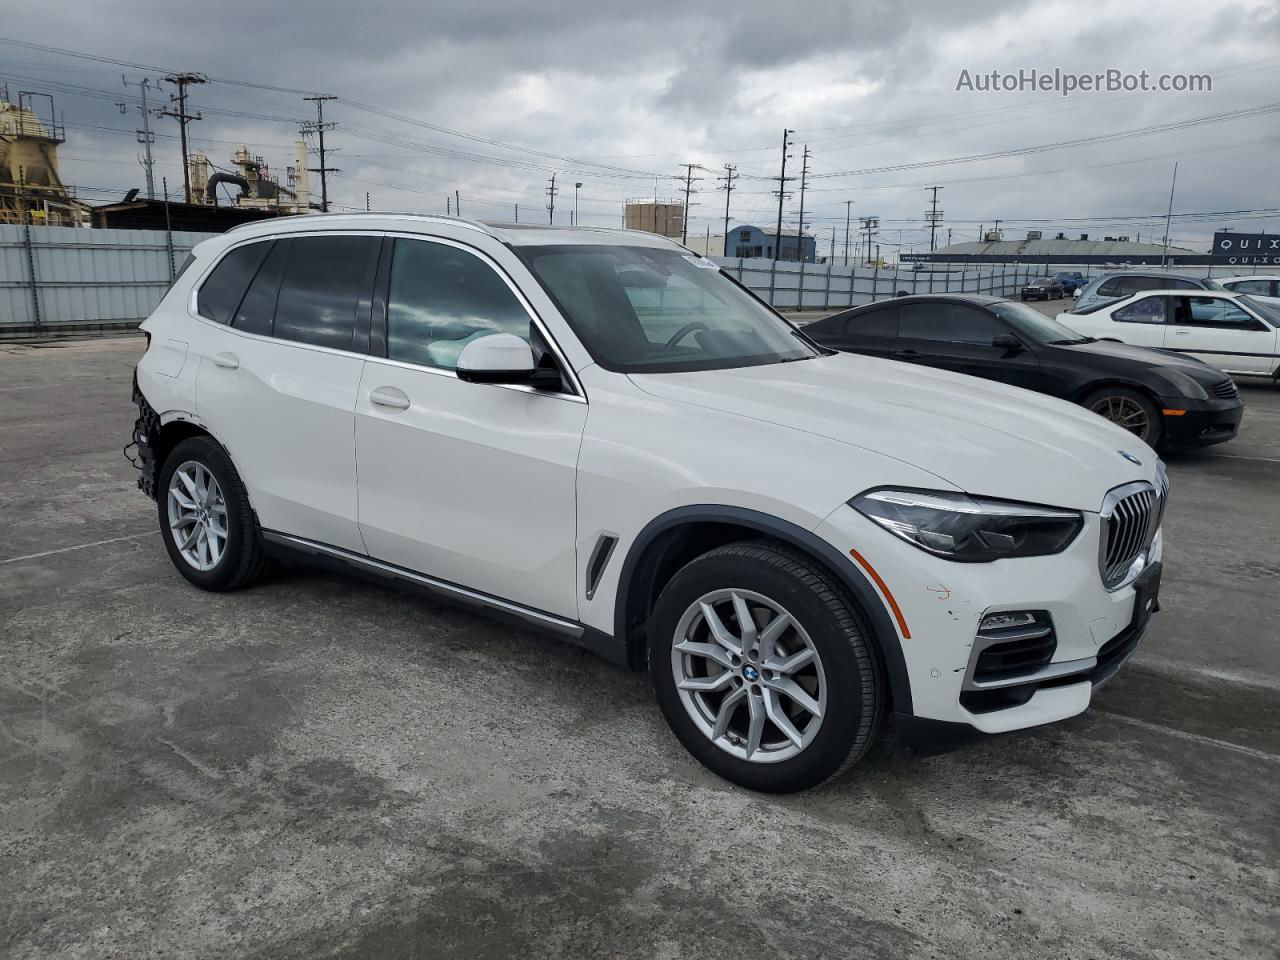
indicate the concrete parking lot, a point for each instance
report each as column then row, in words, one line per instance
column 320, row 767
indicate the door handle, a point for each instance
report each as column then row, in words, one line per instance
column 389, row 397
column 1182, row 333
column 904, row 354
column 228, row 360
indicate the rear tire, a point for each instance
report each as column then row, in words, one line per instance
column 824, row 654
column 208, row 526
column 1128, row 409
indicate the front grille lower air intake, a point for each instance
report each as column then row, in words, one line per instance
column 1131, row 517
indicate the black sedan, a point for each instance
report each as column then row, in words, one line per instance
column 1169, row 400
column 1045, row 288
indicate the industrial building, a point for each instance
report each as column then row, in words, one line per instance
column 31, row 188
column 258, row 195
column 752, row 242
column 663, row 217
column 1059, row 249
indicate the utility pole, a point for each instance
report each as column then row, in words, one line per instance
column 730, row 171
column 869, row 225
column 688, row 188
column 517, row 213
column 804, row 178
column 457, row 204
column 847, row 205
column 1168, row 217
column 319, row 127
column 933, row 217
column 576, row 187
column 948, row 236
column 551, row 200
column 367, row 208
column 145, row 136
column 782, row 192
column 182, row 81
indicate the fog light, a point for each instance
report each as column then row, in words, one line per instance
column 1002, row 621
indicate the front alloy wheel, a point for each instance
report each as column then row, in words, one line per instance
column 749, row 676
column 765, row 668
column 1128, row 409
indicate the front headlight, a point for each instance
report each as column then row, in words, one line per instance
column 1185, row 385
column 970, row 529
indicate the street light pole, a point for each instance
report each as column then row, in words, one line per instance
column 576, row 187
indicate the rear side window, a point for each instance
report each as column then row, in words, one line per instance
column 220, row 294
column 440, row 299
column 874, row 323
column 325, row 280
column 1146, row 310
column 1110, row 288
column 1260, row 287
column 949, row 323
column 258, row 307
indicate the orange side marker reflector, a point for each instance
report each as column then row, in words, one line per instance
column 893, row 604
column 1174, row 413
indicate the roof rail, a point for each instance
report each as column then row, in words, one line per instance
column 311, row 218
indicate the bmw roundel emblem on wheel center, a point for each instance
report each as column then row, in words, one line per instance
column 1130, row 457
column 751, row 673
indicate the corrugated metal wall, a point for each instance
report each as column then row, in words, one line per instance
column 86, row 275
column 833, row 286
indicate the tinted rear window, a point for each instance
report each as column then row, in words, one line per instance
column 325, row 279
column 220, row 294
column 258, row 307
column 874, row 323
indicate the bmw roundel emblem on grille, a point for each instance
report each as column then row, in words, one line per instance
column 1130, row 457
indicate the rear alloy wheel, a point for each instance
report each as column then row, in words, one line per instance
column 765, row 668
column 206, row 521
column 1128, row 409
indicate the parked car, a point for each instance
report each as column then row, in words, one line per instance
column 1166, row 400
column 1071, row 281
column 1115, row 286
column 1236, row 332
column 1258, row 285
column 1044, row 288
column 600, row 435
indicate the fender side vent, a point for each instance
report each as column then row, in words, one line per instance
column 599, row 560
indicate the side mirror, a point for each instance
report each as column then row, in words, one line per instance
column 1007, row 341
column 498, row 358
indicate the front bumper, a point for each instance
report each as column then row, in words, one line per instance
column 943, row 603
column 1199, row 423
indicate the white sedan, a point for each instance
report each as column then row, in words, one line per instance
column 1235, row 332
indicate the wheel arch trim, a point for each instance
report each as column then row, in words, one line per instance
column 832, row 560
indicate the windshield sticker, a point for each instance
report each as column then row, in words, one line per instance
column 701, row 262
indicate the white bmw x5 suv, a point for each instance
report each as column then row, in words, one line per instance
column 605, row 436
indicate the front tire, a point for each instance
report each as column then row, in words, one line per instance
column 206, row 521
column 765, row 669
column 1129, row 409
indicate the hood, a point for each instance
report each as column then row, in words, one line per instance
column 985, row 438
column 1203, row 373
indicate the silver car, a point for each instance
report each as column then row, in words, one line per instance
column 1115, row 286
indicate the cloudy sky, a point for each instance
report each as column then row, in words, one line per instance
column 490, row 99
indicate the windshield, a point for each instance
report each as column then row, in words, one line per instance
column 1268, row 311
column 1034, row 324
column 653, row 310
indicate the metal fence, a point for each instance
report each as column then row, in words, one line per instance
column 827, row 286
column 60, row 275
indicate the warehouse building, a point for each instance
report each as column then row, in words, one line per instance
column 1036, row 249
column 752, row 242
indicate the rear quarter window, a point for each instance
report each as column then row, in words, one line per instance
column 223, row 289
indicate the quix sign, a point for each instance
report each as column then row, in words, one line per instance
column 1247, row 248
